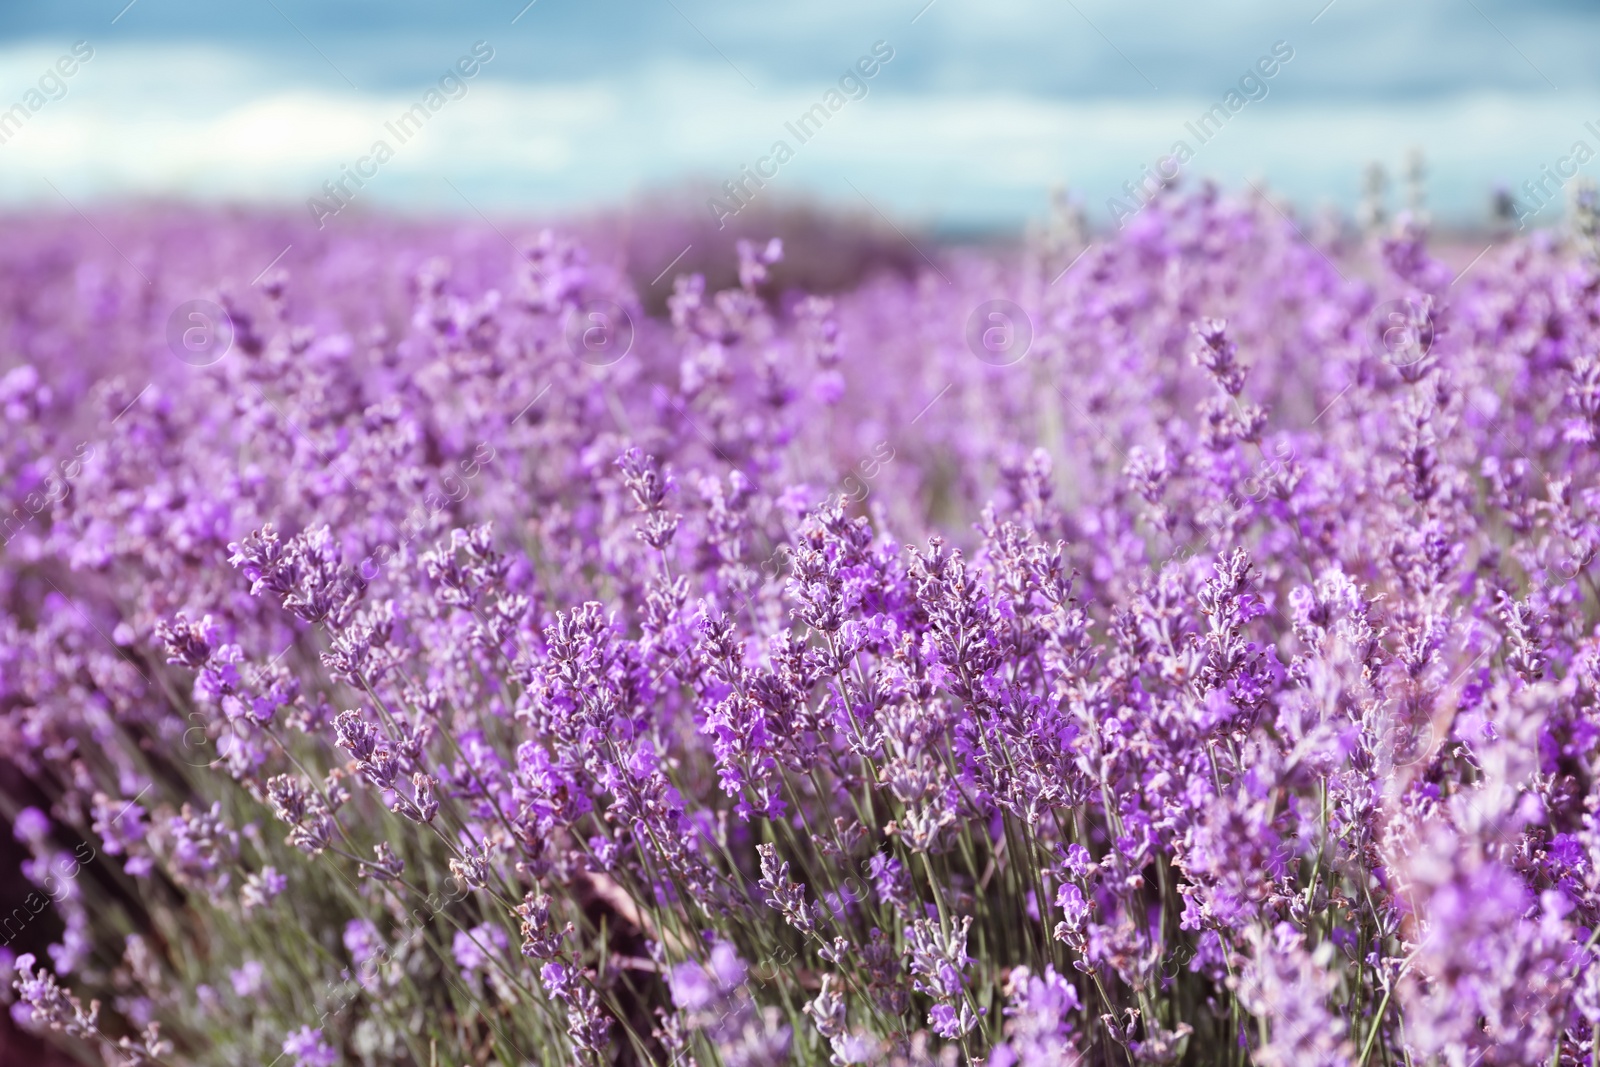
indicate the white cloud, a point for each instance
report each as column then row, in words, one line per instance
column 211, row 123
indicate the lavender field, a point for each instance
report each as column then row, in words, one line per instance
column 439, row 645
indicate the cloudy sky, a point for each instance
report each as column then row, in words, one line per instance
column 985, row 105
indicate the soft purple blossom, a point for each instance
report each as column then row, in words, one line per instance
column 246, row 979
column 307, row 1048
column 362, row 941
column 474, row 949
column 31, row 825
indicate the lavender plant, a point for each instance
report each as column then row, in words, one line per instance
column 1213, row 683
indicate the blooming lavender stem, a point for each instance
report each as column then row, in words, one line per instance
column 1218, row 684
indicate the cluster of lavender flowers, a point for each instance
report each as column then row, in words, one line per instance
column 1213, row 679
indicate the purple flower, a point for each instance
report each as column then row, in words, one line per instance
column 1231, row 662
column 692, row 987
column 308, row 1049
column 246, row 979
column 361, row 940
column 475, row 949
column 697, row 986
column 262, row 888
column 31, row 825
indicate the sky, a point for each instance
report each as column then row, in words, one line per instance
column 979, row 111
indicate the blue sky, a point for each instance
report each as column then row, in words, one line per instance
column 982, row 109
